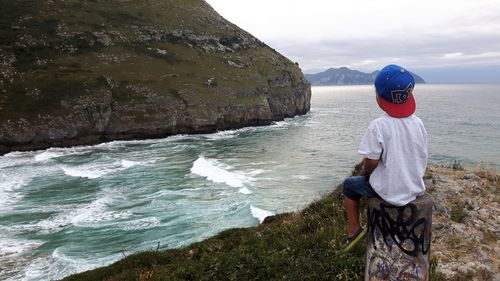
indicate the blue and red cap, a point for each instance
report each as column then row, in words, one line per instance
column 394, row 86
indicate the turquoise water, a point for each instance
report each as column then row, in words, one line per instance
column 66, row 210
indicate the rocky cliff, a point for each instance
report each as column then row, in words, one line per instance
column 80, row 72
column 466, row 221
column 346, row 76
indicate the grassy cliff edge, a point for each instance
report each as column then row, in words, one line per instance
column 304, row 245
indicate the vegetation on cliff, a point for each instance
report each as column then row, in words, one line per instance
column 304, row 245
column 74, row 72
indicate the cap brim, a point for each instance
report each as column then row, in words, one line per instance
column 398, row 110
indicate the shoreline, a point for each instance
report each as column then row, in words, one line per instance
column 101, row 139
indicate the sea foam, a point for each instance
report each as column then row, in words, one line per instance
column 94, row 171
column 13, row 255
column 260, row 214
column 128, row 163
column 301, row 177
column 141, row 224
column 60, row 264
column 245, row 191
column 84, row 172
column 15, row 247
column 97, row 212
column 11, row 183
column 46, row 155
column 215, row 171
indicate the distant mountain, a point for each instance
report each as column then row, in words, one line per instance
column 346, row 76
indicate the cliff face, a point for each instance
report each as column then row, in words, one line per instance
column 78, row 72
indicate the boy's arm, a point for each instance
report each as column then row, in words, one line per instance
column 368, row 166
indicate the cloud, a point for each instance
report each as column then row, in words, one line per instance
column 368, row 34
column 425, row 51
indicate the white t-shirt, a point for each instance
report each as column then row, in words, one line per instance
column 400, row 145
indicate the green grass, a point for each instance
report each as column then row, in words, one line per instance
column 458, row 213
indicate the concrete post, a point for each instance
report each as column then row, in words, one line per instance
column 399, row 240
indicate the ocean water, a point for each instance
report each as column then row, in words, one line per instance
column 67, row 210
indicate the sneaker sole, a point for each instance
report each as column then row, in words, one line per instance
column 355, row 241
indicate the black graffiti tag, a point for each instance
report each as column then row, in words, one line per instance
column 400, row 229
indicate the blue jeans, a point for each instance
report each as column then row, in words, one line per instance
column 356, row 187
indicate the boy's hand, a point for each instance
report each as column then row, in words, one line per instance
column 368, row 166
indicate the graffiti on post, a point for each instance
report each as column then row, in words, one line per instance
column 403, row 229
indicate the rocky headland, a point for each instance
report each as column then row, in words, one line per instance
column 304, row 245
column 81, row 72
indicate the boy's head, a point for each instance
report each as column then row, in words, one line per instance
column 394, row 86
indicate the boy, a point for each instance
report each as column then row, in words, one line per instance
column 394, row 148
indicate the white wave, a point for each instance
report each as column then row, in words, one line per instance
column 97, row 170
column 13, row 256
column 13, row 181
column 53, row 224
column 128, row 163
column 46, row 155
column 262, row 163
column 15, row 159
column 301, row 177
column 254, row 172
column 10, row 185
column 59, row 265
column 216, row 172
column 16, row 172
column 260, row 214
column 13, row 247
column 121, row 143
column 223, row 134
column 245, row 191
column 82, row 172
column 96, row 212
column 140, row 224
column 280, row 124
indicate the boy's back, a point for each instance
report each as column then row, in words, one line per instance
column 394, row 150
column 400, row 144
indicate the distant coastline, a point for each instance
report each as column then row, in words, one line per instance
column 346, row 76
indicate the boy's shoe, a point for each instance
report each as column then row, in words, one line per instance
column 351, row 242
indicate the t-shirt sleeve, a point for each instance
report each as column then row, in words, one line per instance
column 371, row 145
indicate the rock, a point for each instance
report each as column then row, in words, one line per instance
column 129, row 72
column 466, row 247
column 472, row 177
column 440, row 208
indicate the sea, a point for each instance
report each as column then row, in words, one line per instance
column 68, row 210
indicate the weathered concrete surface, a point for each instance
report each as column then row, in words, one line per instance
column 399, row 240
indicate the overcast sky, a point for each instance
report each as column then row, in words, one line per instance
column 441, row 40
